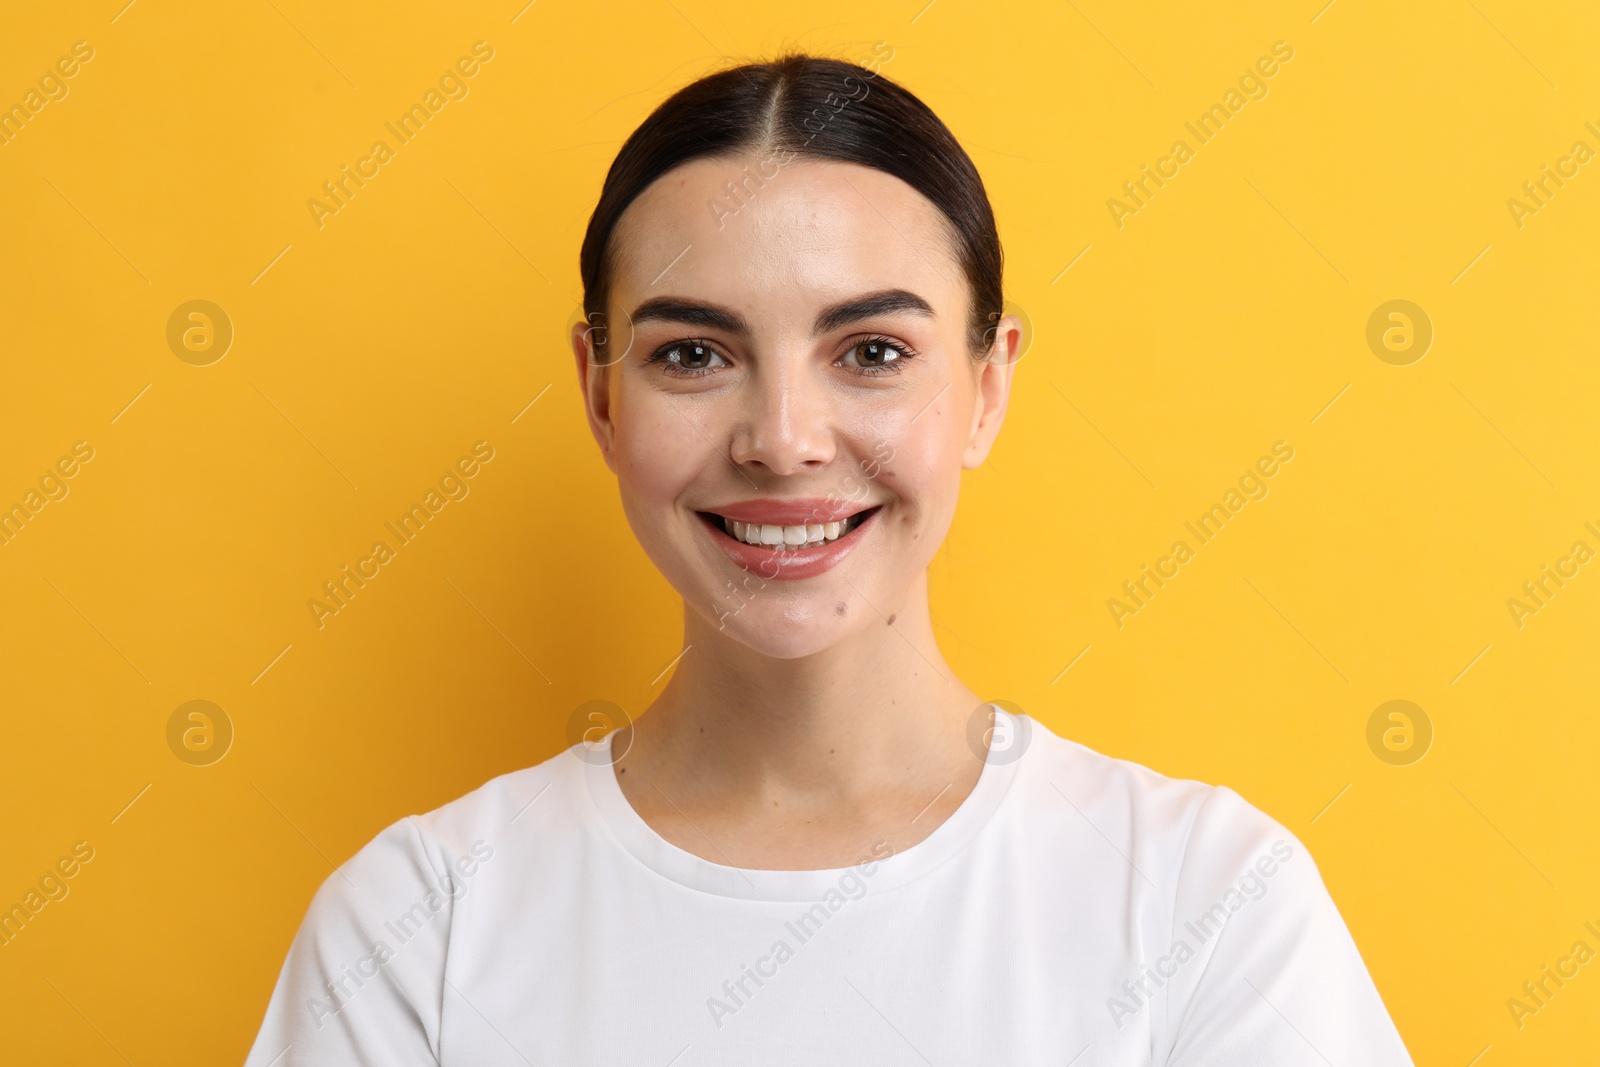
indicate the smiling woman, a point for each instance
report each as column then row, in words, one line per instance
column 787, row 396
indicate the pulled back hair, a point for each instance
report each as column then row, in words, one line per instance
column 803, row 106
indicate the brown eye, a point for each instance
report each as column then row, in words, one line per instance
column 689, row 356
column 873, row 354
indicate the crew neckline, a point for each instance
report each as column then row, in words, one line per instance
column 628, row 828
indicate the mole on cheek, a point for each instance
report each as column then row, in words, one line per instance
column 841, row 609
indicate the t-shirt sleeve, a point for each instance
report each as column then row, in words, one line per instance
column 363, row 980
column 1271, row 975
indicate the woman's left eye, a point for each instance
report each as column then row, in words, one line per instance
column 876, row 354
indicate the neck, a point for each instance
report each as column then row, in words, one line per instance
column 874, row 713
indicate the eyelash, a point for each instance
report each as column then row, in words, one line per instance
column 660, row 356
column 892, row 367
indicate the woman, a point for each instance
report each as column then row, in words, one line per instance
column 818, row 845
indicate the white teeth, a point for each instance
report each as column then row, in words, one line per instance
column 786, row 537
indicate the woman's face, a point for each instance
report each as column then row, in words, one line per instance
column 789, row 395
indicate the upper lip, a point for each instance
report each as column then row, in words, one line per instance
column 794, row 512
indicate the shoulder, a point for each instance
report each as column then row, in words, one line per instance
column 425, row 865
column 1184, row 828
column 512, row 805
column 1243, row 932
column 389, row 910
column 447, row 843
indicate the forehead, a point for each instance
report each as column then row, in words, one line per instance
column 814, row 232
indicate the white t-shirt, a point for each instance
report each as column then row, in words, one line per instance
column 1075, row 909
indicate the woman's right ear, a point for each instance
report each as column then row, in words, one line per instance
column 594, row 382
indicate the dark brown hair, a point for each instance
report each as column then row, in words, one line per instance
column 806, row 106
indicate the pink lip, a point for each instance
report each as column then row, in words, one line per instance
column 786, row 565
column 797, row 512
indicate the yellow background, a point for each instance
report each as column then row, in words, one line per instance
column 430, row 311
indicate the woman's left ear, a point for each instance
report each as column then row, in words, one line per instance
column 993, row 374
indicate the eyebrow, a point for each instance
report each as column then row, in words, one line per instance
column 699, row 313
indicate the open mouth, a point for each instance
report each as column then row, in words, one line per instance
column 786, row 537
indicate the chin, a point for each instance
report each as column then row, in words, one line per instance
column 801, row 627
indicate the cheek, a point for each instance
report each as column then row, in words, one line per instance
column 658, row 456
column 645, row 469
column 924, row 473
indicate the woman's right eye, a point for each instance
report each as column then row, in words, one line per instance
column 688, row 357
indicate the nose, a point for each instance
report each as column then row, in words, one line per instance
column 785, row 424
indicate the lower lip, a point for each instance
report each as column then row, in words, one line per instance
column 788, row 565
